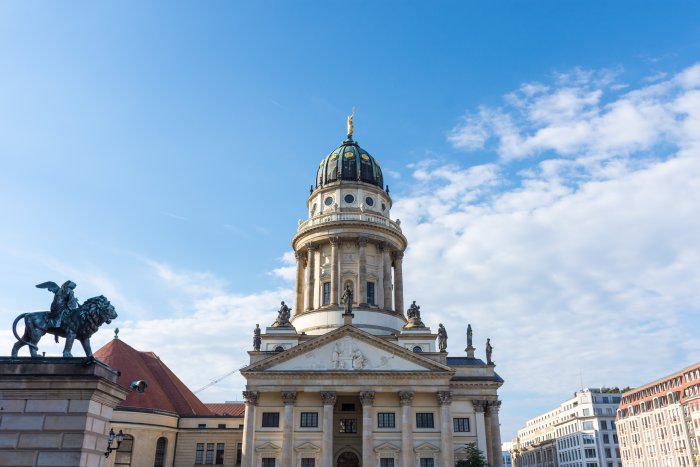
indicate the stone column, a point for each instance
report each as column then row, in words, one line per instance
column 248, row 454
column 387, row 278
column 496, row 453
column 335, row 268
column 310, row 269
column 367, row 400
column 398, row 282
column 362, row 272
column 299, row 287
column 447, row 455
column 406, row 399
column 288, row 429
column 479, row 407
column 328, row 399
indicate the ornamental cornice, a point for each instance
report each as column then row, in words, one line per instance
column 354, row 374
column 381, row 231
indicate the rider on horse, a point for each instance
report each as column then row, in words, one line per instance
column 64, row 300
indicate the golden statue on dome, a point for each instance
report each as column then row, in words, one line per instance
column 351, row 127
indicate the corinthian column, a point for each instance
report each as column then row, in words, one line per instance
column 299, row 286
column 335, row 266
column 479, row 408
column 387, row 278
column 310, row 269
column 496, row 453
column 287, row 454
column 248, row 454
column 445, row 400
column 362, row 272
column 328, row 399
column 398, row 282
column 367, row 400
column 406, row 399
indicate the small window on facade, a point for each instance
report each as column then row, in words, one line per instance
column 348, row 425
column 326, row 293
column 199, row 455
column 461, row 425
column 161, row 444
column 347, row 407
column 222, row 425
column 279, row 348
column 349, row 199
column 386, row 462
column 369, row 201
column 268, row 462
column 308, row 462
column 202, row 426
column 271, row 419
column 309, row 420
column 219, row 453
column 328, row 201
column 603, row 425
column 239, row 453
column 429, row 462
column 424, row 420
column 210, row 453
column 386, row 420
column 417, row 349
column 370, row 293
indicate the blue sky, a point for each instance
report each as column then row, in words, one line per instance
column 541, row 156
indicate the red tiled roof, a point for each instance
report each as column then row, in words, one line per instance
column 228, row 409
column 165, row 391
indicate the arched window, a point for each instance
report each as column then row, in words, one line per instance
column 123, row 454
column 161, row 446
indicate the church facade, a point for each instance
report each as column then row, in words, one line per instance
column 351, row 376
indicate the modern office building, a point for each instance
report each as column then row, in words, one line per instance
column 659, row 423
column 578, row 433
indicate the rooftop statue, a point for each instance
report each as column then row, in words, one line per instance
column 413, row 314
column 489, row 352
column 257, row 340
column 442, row 338
column 283, row 315
column 347, row 299
column 351, row 126
column 469, row 335
column 66, row 318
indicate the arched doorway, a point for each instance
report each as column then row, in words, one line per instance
column 348, row 459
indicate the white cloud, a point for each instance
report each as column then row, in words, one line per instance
column 287, row 272
column 586, row 264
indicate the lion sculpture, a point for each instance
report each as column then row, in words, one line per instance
column 80, row 323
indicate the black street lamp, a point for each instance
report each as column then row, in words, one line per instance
column 110, row 440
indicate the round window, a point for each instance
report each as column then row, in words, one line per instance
column 369, row 201
column 279, row 348
column 328, row 201
column 349, row 199
column 417, row 349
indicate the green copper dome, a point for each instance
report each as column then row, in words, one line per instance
column 349, row 162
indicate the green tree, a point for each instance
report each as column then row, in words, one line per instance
column 475, row 458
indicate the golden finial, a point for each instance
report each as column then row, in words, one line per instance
column 351, row 127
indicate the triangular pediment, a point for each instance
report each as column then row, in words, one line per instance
column 426, row 448
column 347, row 349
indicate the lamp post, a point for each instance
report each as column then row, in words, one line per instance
column 110, row 440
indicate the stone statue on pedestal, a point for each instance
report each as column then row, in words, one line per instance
column 489, row 352
column 283, row 315
column 256, row 338
column 347, row 299
column 413, row 314
column 442, row 338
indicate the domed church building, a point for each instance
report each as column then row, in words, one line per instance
column 352, row 376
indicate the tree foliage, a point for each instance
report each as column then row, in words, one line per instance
column 475, row 458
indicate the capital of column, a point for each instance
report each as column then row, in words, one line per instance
column 397, row 255
column 334, row 240
column 444, row 397
column 479, row 405
column 299, row 255
column 367, row 397
column 406, row 397
column 289, row 398
column 250, row 397
column 362, row 241
column 382, row 245
column 493, row 406
column 312, row 246
column 328, row 397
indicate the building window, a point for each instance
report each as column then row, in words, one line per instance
column 424, row 420
column 210, row 453
column 590, row 453
column 271, row 419
column 461, row 425
column 370, row 293
column 608, row 453
column 326, row 293
column 199, row 458
column 586, row 412
column 219, row 453
column 308, row 462
column 606, row 438
column 268, row 462
column 222, row 426
column 309, row 420
column 202, row 426
column 239, row 453
column 587, row 425
column 386, row 462
column 123, row 456
column 347, row 407
column 161, row 444
column 348, row 425
column 603, row 425
column 417, row 349
column 386, row 420
column 427, row 463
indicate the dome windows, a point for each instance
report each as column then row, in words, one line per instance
column 369, row 201
column 349, row 198
column 349, row 162
column 328, row 201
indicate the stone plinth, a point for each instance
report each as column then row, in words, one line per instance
column 55, row 411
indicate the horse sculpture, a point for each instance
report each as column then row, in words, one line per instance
column 80, row 323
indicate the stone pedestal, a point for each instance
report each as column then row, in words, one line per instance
column 55, row 411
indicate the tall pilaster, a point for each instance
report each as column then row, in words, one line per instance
column 398, row 282
column 310, row 272
column 367, row 401
column 328, row 399
column 299, row 286
column 407, row 456
column 479, row 408
column 248, row 453
column 362, row 271
column 447, row 449
column 387, row 277
column 496, row 453
column 288, row 429
column 335, row 270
